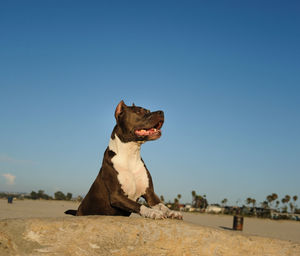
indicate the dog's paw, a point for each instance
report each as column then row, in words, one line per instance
column 151, row 213
column 167, row 212
column 174, row 215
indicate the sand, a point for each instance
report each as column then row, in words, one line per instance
column 280, row 229
column 34, row 208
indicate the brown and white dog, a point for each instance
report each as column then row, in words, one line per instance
column 123, row 177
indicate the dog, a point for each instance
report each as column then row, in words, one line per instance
column 123, row 177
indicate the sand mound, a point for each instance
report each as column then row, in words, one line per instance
column 104, row 235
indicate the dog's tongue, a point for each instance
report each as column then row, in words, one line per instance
column 144, row 132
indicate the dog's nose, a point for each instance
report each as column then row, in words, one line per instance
column 160, row 112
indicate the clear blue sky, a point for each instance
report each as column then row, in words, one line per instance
column 226, row 73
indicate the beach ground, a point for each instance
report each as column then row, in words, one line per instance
column 280, row 229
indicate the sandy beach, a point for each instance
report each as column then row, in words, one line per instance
column 284, row 230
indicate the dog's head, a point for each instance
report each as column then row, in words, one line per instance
column 137, row 123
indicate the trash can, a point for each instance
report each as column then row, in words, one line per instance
column 10, row 199
column 238, row 222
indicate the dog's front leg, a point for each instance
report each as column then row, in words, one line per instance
column 122, row 202
column 154, row 202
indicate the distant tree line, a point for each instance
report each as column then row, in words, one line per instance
column 6, row 195
column 272, row 203
column 198, row 201
column 58, row 195
column 40, row 194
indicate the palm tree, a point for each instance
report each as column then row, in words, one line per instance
column 178, row 196
column 295, row 198
column 269, row 200
column 194, row 194
column 194, row 198
column 274, row 197
column 265, row 204
column 199, row 201
column 285, row 201
column 253, row 201
column 224, row 201
column 248, row 200
column 176, row 204
column 277, row 204
column 292, row 207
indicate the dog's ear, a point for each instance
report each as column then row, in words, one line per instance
column 119, row 109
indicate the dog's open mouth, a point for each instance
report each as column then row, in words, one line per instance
column 148, row 132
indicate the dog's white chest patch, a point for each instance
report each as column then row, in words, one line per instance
column 132, row 173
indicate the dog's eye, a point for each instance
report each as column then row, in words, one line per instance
column 139, row 111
